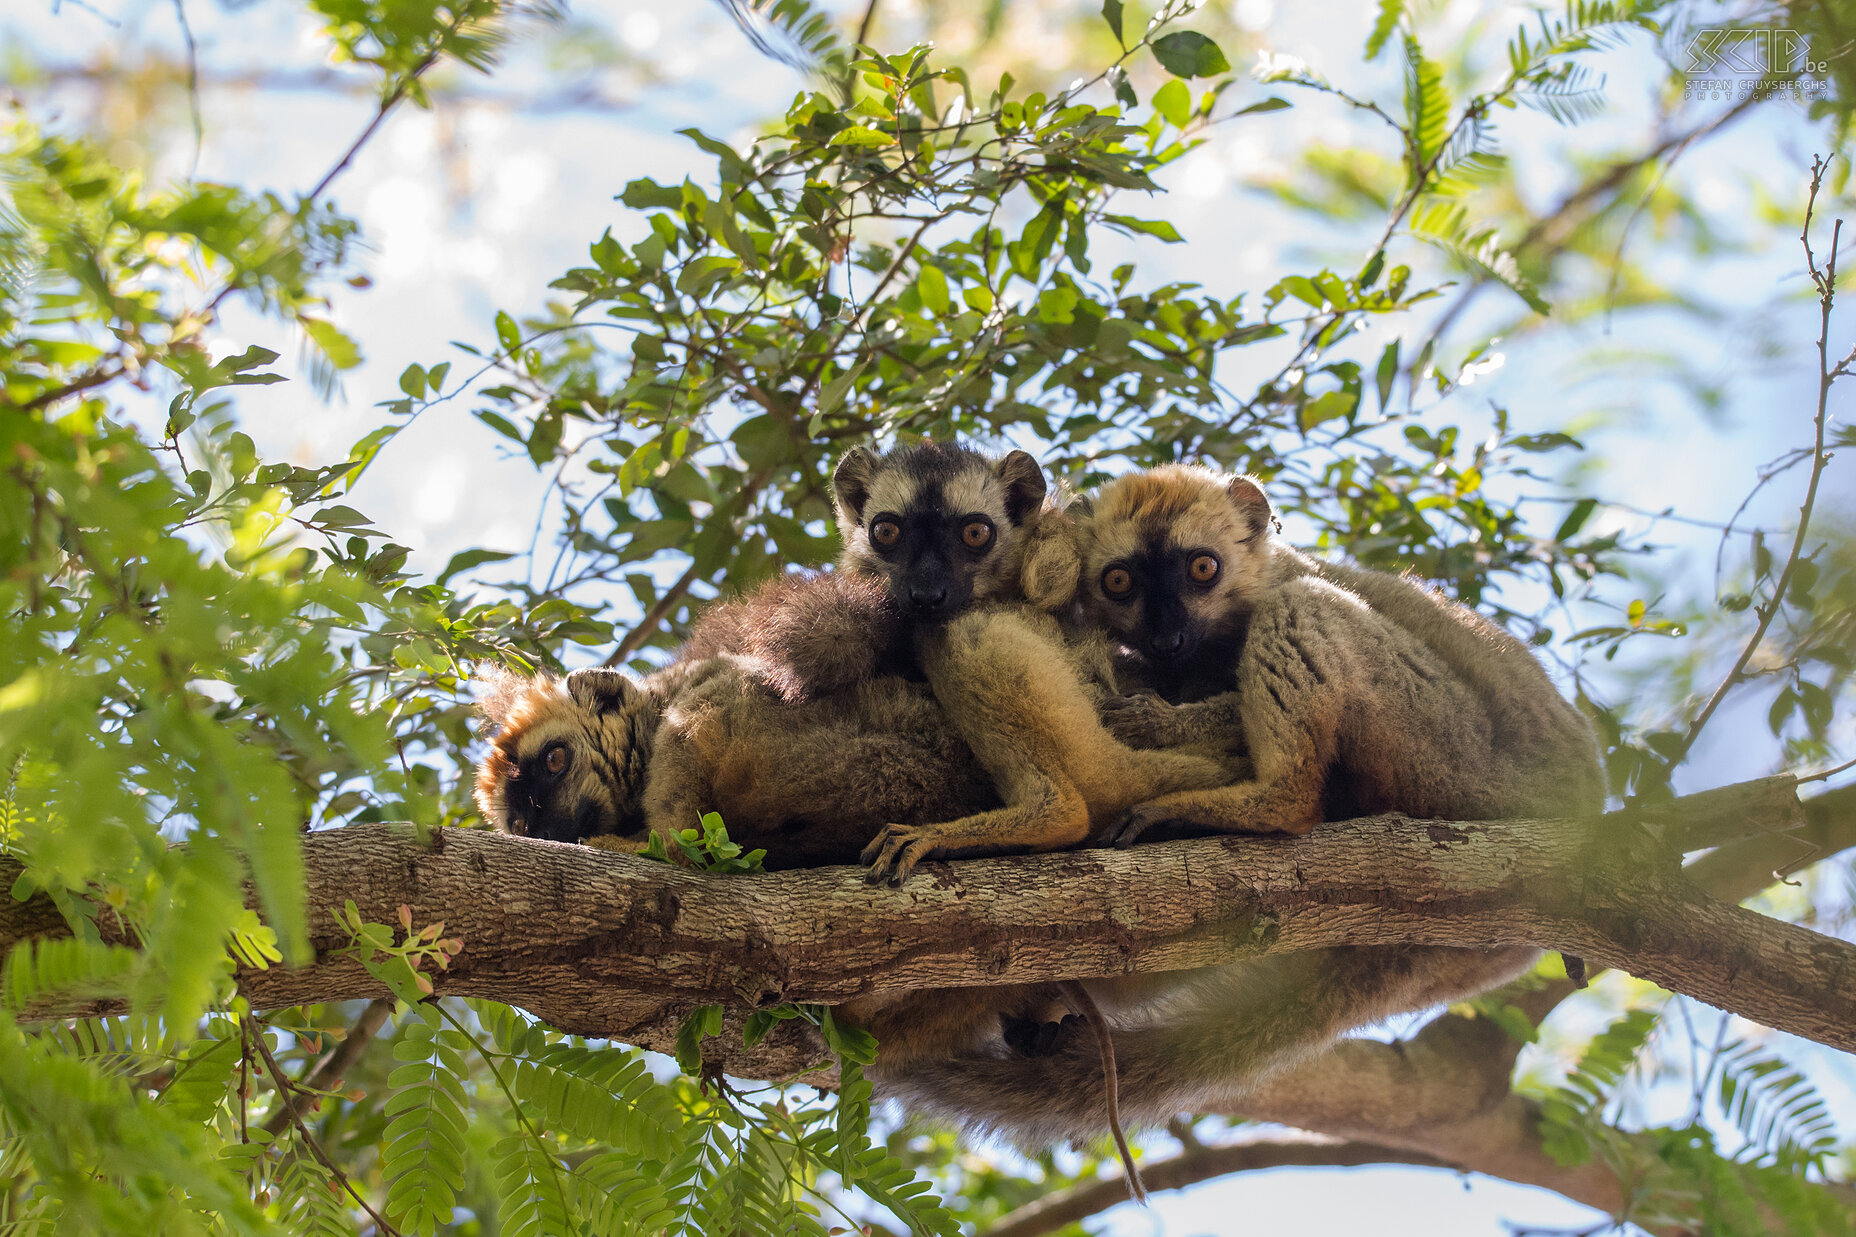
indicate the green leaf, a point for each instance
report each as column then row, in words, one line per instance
column 1390, row 11
column 931, row 284
column 862, row 136
column 702, row 1021
column 1111, row 13
column 464, row 560
column 341, row 351
column 506, row 333
column 1147, row 227
column 1271, row 104
column 1302, row 288
column 643, row 194
column 1174, row 103
column 1386, row 374
column 1427, row 108
column 1187, row 53
column 1329, row 406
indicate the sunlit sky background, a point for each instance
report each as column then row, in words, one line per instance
column 475, row 207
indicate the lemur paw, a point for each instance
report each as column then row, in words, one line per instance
column 1029, row 1037
column 893, row 853
column 1139, row 721
column 1138, row 821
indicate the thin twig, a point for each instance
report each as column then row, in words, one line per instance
column 1826, row 774
column 1201, row 1163
column 1826, row 282
column 330, row 1070
column 309, row 1140
column 193, row 85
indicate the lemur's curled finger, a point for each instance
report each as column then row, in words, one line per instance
column 893, row 854
column 1138, row 820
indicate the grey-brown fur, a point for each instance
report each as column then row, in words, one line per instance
column 1008, row 681
column 1355, row 692
column 809, row 770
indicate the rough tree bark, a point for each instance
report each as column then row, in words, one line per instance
column 610, row 945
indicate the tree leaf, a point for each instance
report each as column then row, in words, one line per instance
column 1187, row 53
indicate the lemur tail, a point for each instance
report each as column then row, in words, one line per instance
column 1085, row 1006
column 1230, row 1028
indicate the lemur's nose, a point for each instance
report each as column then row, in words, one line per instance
column 927, row 597
column 1167, row 643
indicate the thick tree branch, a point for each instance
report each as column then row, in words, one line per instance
column 605, row 944
column 611, row 945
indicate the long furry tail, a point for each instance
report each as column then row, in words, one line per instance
column 1229, row 1029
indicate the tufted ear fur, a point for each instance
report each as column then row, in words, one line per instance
column 498, row 690
column 1025, row 487
column 602, row 690
column 850, row 482
column 1251, row 503
column 1053, row 565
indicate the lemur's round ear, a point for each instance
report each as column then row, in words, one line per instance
column 602, row 690
column 1053, row 565
column 1023, row 478
column 850, row 481
column 1251, row 502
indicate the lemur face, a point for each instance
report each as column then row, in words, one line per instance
column 1171, row 558
column 942, row 525
column 568, row 760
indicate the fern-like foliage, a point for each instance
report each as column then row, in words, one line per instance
column 202, row 1080
column 530, row 1186
column 1776, row 1109
column 1445, row 225
column 1427, row 108
column 1391, row 12
column 71, row 966
column 423, row 1156
column 613, row 1198
column 605, row 1095
column 1582, row 25
column 796, row 33
column 309, row 1202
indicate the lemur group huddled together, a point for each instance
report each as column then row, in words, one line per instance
column 992, row 671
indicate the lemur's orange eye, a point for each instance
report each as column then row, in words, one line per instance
column 1116, row 581
column 976, row 534
column 557, row 759
column 886, row 532
column 1203, row 568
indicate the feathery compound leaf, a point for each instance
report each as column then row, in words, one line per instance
column 1783, row 1118
column 1390, row 12
column 422, row 1158
column 529, row 1186
column 605, row 1095
column 311, row 1202
column 69, row 966
column 1572, row 1114
column 612, row 1195
column 1445, row 224
column 203, row 1079
column 794, row 32
column 1427, row 107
